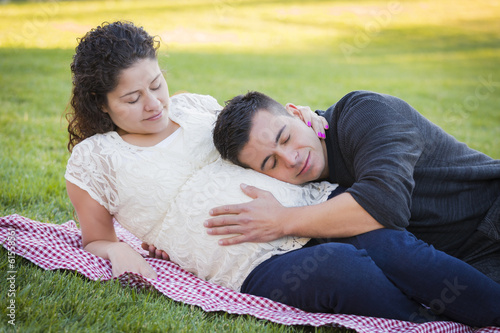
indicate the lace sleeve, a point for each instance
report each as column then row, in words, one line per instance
column 91, row 170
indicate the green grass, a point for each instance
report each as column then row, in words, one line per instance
column 435, row 55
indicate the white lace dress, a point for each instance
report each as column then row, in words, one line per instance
column 162, row 194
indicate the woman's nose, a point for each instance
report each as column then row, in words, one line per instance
column 152, row 103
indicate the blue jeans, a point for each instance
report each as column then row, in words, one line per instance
column 383, row 273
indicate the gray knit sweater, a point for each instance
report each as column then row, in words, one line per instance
column 409, row 173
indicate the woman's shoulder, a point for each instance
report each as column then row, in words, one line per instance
column 193, row 98
column 97, row 142
column 194, row 104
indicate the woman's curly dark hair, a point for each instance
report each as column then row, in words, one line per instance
column 100, row 57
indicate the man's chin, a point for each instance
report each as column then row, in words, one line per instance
column 307, row 179
column 294, row 181
column 299, row 181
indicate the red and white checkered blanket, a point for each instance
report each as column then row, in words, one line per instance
column 53, row 246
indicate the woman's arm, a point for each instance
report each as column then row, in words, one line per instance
column 99, row 237
column 310, row 118
column 205, row 103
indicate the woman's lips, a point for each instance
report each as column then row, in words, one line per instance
column 156, row 117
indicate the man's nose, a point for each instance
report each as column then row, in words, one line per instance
column 290, row 157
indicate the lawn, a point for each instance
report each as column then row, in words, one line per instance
column 442, row 57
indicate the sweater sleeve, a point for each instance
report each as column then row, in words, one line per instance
column 381, row 144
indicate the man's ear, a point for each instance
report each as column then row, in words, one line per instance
column 293, row 110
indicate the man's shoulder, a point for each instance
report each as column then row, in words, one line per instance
column 356, row 97
column 353, row 97
column 332, row 113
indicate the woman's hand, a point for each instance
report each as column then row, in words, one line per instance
column 310, row 118
column 99, row 237
column 154, row 252
column 125, row 259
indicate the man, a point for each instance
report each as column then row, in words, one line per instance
column 354, row 262
column 399, row 170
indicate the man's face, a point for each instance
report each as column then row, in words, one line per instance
column 284, row 148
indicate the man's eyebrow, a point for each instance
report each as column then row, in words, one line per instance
column 133, row 92
column 278, row 136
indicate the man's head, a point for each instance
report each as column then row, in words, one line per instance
column 254, row 131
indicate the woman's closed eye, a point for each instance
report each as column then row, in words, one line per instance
column 139, row 96
column 134, row 101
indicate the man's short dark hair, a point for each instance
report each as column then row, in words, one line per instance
column 234, row 123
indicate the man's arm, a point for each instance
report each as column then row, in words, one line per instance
column 264, row 219
column 380, row 140
column 380, row 144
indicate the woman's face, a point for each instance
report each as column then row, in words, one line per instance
column 139, row 103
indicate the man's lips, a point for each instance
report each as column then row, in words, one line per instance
column 306, row 165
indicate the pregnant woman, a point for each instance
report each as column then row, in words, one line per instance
column 148, row 161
